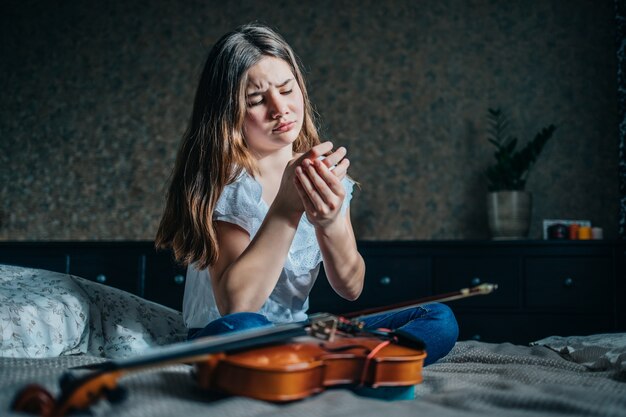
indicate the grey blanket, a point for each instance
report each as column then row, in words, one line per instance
column 475, row 379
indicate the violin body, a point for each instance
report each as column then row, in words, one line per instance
column 299, row 369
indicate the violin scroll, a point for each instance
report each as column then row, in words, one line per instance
column 76, row 394
column 34, row 399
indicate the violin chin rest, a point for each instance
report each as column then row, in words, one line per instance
column 34, row 399
column 408, row 340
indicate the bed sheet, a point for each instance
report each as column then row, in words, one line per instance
column 475, row 379
column 576, row 376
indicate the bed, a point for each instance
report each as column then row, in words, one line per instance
column 51, row 322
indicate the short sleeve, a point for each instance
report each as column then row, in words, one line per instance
column 348, row 186
column 241, row 204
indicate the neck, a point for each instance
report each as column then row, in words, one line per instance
column 274, row 163
column 271, row 167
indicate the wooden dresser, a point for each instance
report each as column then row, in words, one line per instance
column 545, row 287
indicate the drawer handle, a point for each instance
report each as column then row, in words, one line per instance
column 101, row 278
column 385, row 280
column 475, row 281
column 179, row 279
column 568, row 282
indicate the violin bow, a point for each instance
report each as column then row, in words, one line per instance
column 482, row 289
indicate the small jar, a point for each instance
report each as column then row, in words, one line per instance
column 584, row 233
column 596, row 233
column 557, row 231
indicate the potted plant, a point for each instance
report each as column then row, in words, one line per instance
column 508, row 203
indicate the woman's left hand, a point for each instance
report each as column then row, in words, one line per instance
column 319, row 184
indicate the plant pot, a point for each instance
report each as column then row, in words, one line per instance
column 509, row 214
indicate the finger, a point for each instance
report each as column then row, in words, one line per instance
column 306, row 179
column 335, row 157
column 323, row 179
column 317, row 151
column 330, row 178
column 306, row 201
column 341, row 169
column 326, row 184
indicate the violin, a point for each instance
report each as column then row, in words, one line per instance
column 281, row 363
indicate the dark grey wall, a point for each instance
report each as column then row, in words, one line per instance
column 620, row 18
column 95, row 96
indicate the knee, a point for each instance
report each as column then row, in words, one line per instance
column 446, row 316
column 448, row 328
column 442, row 313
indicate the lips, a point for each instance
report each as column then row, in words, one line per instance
column 284, row 127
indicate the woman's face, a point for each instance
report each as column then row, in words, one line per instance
column 274, row 106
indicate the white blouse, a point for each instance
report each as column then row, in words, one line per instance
column 241, row 204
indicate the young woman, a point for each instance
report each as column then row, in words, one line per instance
column 256, row 202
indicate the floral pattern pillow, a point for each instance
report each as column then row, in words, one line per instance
column 49, row 314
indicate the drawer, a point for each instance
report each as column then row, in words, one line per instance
column 451, row 273
column 165, row 280
column 388, row 280
column 525, row 328
column 494, row 328
column 108, row 266
column 569, row 283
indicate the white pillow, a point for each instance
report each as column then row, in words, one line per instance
column 42, row 314
column 48, row 314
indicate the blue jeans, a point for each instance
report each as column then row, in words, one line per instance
column 230, row 323
column 434, row 324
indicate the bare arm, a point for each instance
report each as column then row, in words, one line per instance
column 344, row 266
column 247, row 271
column 323, row 195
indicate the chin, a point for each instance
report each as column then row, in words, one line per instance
column 288, row 137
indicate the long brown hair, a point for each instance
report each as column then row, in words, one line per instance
column 213, row 150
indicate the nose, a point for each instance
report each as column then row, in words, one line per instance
column 278, row 106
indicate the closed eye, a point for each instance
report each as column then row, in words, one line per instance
column 255, row 103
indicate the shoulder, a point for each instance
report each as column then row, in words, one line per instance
column 241, row 203
column 244, row 190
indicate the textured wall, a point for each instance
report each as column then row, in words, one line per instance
column 620, row 18
column 95, row 96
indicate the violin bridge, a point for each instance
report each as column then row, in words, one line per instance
column 323, row 326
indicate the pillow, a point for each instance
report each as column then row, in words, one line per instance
column 48, row 314
column 122, row 324
column 42, row 314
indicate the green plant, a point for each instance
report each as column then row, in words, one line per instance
column 511, row 169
